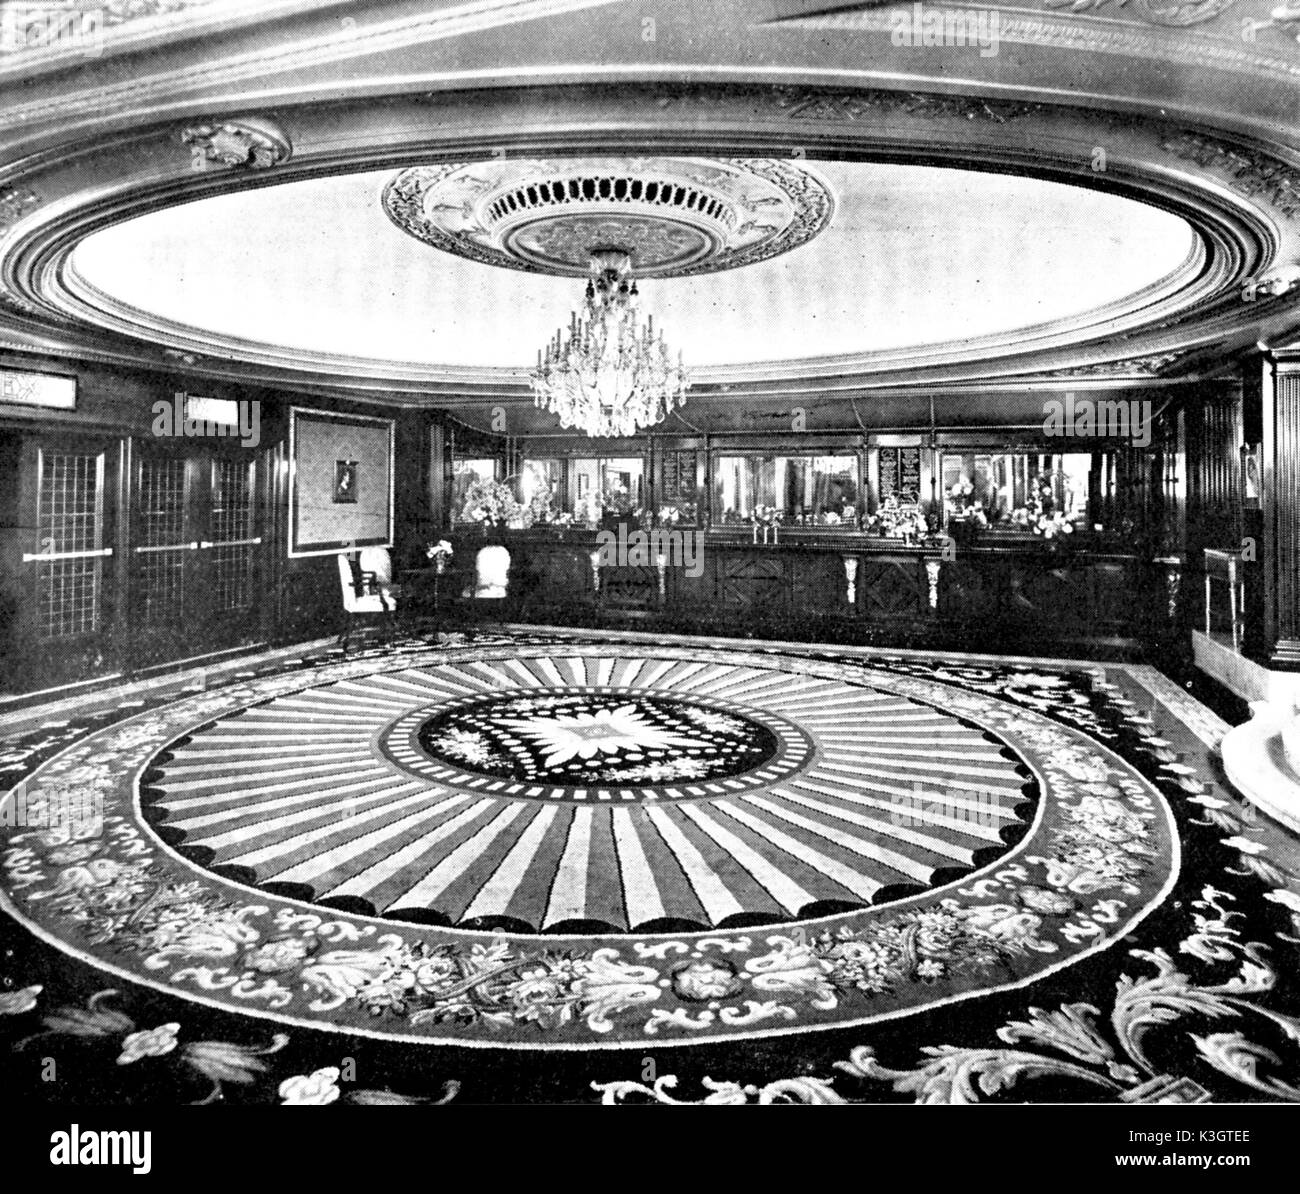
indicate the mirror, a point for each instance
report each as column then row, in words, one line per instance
column 795, row 490
column 539, row 490
column 1040, row 493
column 465, row 474
column 606, row 487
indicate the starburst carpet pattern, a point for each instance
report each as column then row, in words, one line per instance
column 563, row 847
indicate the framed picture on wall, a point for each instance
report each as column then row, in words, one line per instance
column 345, row 481
column 1250, row 476
column 340, row 482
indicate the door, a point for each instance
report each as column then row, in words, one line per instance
column 65, row 606
column 196, row 553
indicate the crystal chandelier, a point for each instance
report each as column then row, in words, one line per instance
column 608, row 375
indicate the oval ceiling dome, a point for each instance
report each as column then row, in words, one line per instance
column 906, row 257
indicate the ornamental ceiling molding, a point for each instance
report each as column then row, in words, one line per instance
column 1138, row 367
column 1249, row 171
column 1141, row 29
column 253, row 144
column 348, row 38
column 1240, row 197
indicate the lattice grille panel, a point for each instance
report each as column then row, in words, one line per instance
column 232, row 520
column 162, row 525
column 69, row 519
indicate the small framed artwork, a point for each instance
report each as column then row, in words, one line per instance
column 340, row 482
column 1250, row 476
column 345, row 481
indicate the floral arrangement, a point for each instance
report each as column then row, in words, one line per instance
column 439, row 553
column 1040, row 516
column 540, row 510
column 960, row 490
column 766, row 516
column 1051, row 525
column 617, row 500
column 669, row 516
column 587, row 510
column 894, row 521
column 490, row 502
column 973, row 513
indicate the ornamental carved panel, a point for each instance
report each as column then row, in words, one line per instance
column 890, row 589
column 752, row 582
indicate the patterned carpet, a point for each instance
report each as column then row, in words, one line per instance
column 776, row 863
column 601, row 791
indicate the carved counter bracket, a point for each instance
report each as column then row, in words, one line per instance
column 247, row 144
column 932, row 568
column 851, row 572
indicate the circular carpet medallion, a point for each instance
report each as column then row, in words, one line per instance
column 571, row 845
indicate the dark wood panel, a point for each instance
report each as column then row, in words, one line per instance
column 892, row 589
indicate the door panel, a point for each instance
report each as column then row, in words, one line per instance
column 164, row 545
column 64, row 614
column 70, row 532
column 196, row 553
column 231, row 551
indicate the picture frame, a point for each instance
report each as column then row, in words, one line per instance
column 341, row 482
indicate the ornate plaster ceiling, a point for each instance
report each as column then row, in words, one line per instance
column 914, row 256
column 206, row 187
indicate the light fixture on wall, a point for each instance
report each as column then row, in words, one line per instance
column 608, row 374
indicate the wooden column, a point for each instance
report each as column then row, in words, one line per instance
column 1280, row 506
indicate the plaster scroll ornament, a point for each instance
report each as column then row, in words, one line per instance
column 249, row 144
column 15, row 202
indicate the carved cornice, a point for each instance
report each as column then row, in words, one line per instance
column 1148, row 366
column 1173, row 32
column 119, row 12
column 1175, row 15
column 1250, row 171
column 802, row 103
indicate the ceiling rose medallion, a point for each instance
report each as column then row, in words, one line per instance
column 675, row 216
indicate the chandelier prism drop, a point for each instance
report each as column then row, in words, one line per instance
column 608, row 374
